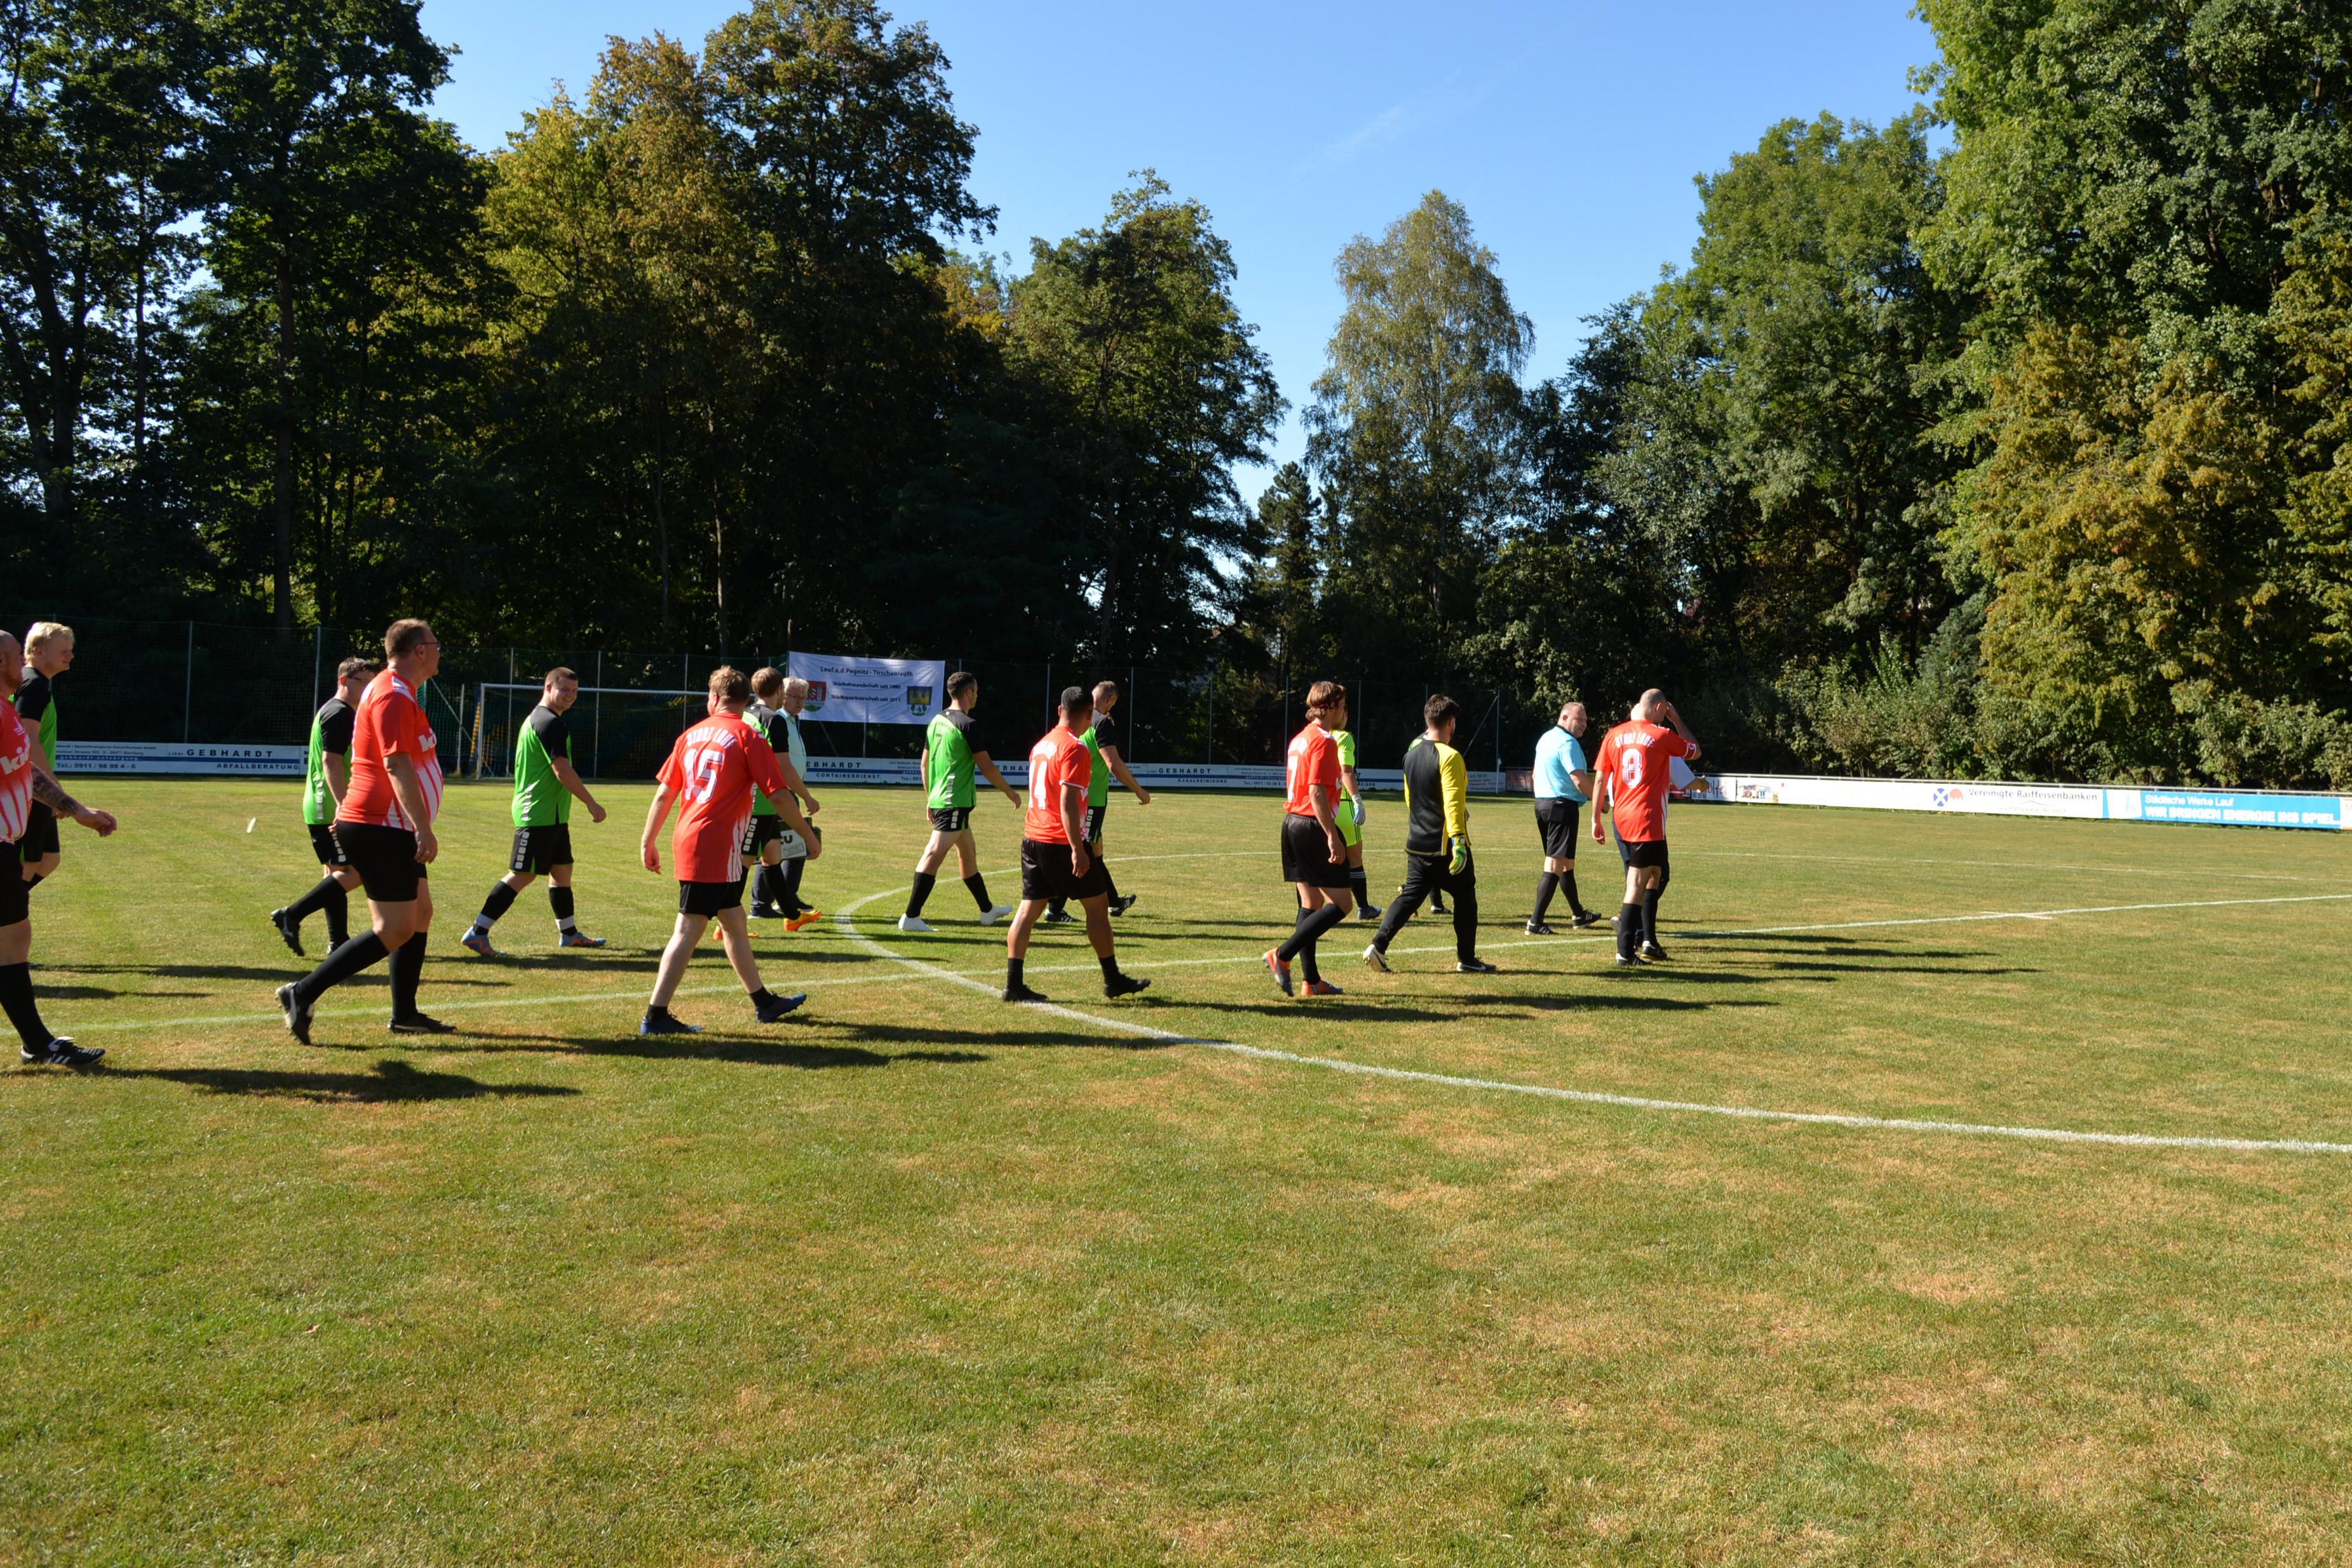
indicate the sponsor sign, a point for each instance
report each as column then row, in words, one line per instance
column 84, row 757
column 2001, row 799
column 848, row 691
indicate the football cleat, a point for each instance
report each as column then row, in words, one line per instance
column 1279, row 968
column 577, row 939
column 297, row 1016
column 1587, row 919
column 996, row 914
column 766, row 912
column 288, row 932
column 1654, row 952
column 1475, row 966
column 418, row 1024
column 1323, row 988
column 776, row 1007
column 1123, row 903
column 913, row 925
column 662, row 1024
column 1375, row 960
column 60, row 1052
column 1022, row 993
column 1369, row 912
column 1120, row 986
column 804, row 920
column 478, row 941
column 1536, row 928
column 1632, row 961
column 1058, row 918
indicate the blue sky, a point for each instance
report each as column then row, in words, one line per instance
column 1569, row 130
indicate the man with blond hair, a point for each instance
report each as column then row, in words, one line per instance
column 48, row 653
column 1635, row 771
column 25, row 780
column 710, row 774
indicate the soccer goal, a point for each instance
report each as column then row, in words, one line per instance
column 617, row 732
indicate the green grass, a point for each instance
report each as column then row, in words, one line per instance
column 914, row 1277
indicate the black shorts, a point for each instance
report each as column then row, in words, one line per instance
column 40, row 833
column 539, row 850
column 710, row 897
column 15, row 898
column 1094, row 823
column 1046, row 873
column 1643, row 851
column 1307, row 855
column 761, row 831
column 324, row 844
column 385, row 858
column 951, row 819
column 1556, row 820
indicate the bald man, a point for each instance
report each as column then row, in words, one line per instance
column 1562, row 787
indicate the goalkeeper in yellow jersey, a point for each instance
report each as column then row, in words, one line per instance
column 1436, row 839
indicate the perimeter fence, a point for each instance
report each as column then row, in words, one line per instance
column 202, row 683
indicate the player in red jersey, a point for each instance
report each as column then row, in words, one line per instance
column 712, row 770
column 23, row 781
column 385, row 827
column 1054, row 859
column 1634, row 772
column 1314, row 851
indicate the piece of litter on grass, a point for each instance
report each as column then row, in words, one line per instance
column 249, row 822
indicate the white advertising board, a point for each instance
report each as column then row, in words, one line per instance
column 83, row 757
column 842, row 689
column 2001, row 799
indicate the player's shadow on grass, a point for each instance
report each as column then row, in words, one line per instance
column 1825, row 966
column 392, row 1081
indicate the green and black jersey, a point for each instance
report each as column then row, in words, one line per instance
column 770, row 722
column 539, row 799
column 1436, row 797
column 1099, row 782
column 37, row 707
column 946, row 743
column 330, row 736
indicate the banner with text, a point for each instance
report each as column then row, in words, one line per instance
column 848, row 691
column 2251, row 809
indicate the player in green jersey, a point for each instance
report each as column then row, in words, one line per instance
column 1102, row 753
column 768, row 841
column 949, row 764
column 328, row 771
column 545, row 784
column 1351, row 826
column 48, row 653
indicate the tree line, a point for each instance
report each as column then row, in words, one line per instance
column 2011, row 438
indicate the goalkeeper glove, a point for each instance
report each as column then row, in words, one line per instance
column 1356, row 809
column 1461, row 862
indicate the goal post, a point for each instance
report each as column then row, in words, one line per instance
column 617, row 732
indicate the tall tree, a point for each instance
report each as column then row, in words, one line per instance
column 1154, row 390
column 302, row 95
column 1414, row 425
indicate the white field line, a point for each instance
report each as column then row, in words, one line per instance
column 1635, row 1102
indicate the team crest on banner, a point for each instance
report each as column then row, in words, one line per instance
column 854, row 689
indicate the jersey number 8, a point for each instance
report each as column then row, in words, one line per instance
column 1629, row 768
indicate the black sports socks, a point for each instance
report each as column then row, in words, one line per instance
column 924, row 882
column 1545, row 886
column 1311, row 926
column 502, row 900
column 407, row 969
column 360, row 952
column 1628, row 929
column 1567, row 885
column 979, row 886
column 17, row 1001
column 559, row 900
column 329, row 897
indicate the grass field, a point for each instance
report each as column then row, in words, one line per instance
column 916, row 1278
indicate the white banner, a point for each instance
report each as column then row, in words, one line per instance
column 177, row 757
column 848, row 691
column 1997, row 799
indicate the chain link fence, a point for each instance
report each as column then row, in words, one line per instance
column 202, row 683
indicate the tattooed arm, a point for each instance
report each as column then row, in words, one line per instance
column 51, row 794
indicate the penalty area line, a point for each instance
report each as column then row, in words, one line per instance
column 1622, row 1101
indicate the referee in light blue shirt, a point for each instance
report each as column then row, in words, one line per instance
column 1563, row 784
